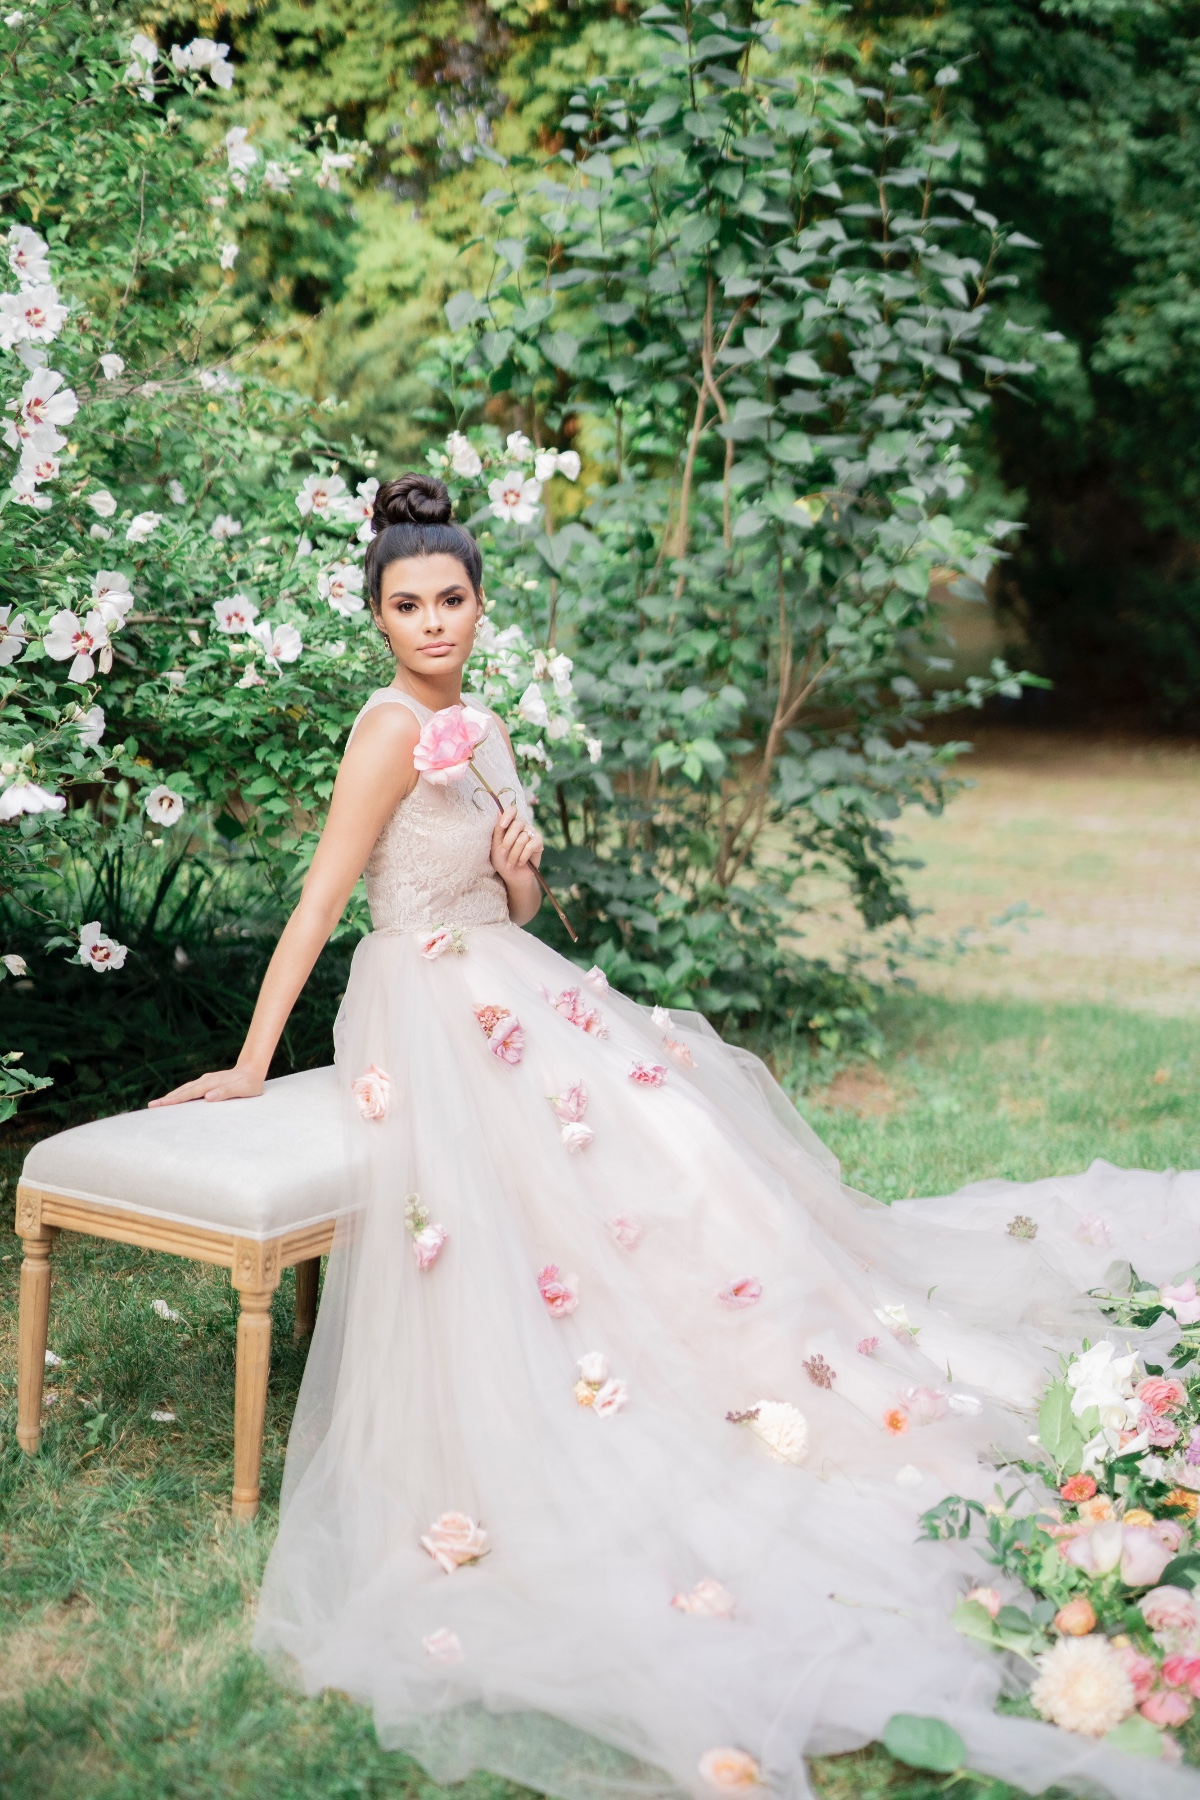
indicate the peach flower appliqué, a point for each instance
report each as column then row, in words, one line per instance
column 730, row 1771
column 372, row 1092
column 647, row 1074
column 442, row 939
column 443, row 1647
column 447, row 743
column 559, row 1291
column 896, row 1421
column 454, row 1540
column 428, row 1241
column 707, row 1600
column 678, row 1049
column 624, row 1231
column 747, row 1291
column 572, row 1006
column 502, row 1029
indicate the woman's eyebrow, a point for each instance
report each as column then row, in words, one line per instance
column 456, row 587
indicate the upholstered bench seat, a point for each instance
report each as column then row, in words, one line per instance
column 251, row 1185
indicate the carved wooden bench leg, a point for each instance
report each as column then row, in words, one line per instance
column 308, row 1275
column 255, row 1276
column 31, row 1332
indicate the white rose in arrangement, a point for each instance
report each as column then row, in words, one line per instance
column 99, row 952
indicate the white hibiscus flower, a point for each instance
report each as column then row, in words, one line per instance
column 142, row 526
column 102, row 503
column 280, row 643
column 112, row 365
column 28, row 797
column 163, row 805
column 342, row 584
column 464, row 458
column 111, row 596
column 514, row 497
column 28, row 256
column 235, row 615
column 12, row 636
column 90, row 726
column 224, row 526
column 99, row 952
column 84, row 640
column 229, row 255
column 35, row 315
column 324, row 496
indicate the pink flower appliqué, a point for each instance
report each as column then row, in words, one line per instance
column 867, row 1346
column 926, row 1405
column 448, row 741
column 446, row 937
column 428, row 1240
column 737, row 1294
column 454, row 1540
column 707, row 1600
column 577, row 1137
column 612, row 1398
column 596, row 978
column 575, row 1009
column 625, row 1231
column 503, row 1031
column 648, row 1074
column 571, row 1105
column 443, row 1647
column 372, row 1091
column 679, row 1050
column 559, row 1291
column 729, row 1770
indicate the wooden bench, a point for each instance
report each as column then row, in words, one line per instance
column 253, row 1186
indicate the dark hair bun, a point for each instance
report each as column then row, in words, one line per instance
column 413, row 500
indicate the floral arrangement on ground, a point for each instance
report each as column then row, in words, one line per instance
column 1096, row 1550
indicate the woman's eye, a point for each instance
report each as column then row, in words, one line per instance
column 454, row 600
column 406, row 606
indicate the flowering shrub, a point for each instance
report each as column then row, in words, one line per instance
column 1107, row 1550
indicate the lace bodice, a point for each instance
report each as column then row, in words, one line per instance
column 431, row 864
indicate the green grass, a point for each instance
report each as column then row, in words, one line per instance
column 126, row 1592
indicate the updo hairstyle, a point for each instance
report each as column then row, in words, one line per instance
column 413, row 517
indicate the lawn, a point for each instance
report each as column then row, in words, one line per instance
column 125, row 1591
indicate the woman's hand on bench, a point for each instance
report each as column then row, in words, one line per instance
column 221, row 1084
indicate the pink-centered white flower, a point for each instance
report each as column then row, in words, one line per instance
column 24, row 492
column 428, row 1244
column 44, row 402
column 28, row 256
column 279, row 643
column 571, row 1005
column 736, row 1295
column 448, row 741
column 560, row 1292
column 624, row 1230
column 372, row 1092
column 164, row 805
column 224, row 526
column 465, row 460
column 706, row 1600
column 99, row 952
column 445, row 938
column 454, row 1540
column 321, row 497
column 612, row 1398
column 13, row 637
column 342, row 585
column 39, row 465
column 235, row 615
column 571, row 1105
column 28, row 797
column 35, row 315
column 85, row 640
column 142, row 526
column 514, row 498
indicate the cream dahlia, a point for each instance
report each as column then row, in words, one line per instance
column 1083, row 1685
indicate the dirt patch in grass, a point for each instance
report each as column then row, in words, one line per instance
column 53, row 1646
column 862, row 1088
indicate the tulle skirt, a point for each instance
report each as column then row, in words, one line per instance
column 659, row 1368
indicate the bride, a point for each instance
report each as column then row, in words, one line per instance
column 602, row 1475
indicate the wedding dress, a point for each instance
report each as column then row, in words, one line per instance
column 583, row 1182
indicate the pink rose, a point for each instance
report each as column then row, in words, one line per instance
column 926, row 1404
column 559, row 1291
column 1166, row 1709
column 612, row 1398
column 707, row 1600
column 988, row 1598
column 732, row 1771
column 507, row 1041
column 867, row 1346
column 648, row 1074
column 453, row 1540
column 1144, row 1556
column 427, row 1245
column 1182, row 1301
column 1142, row 1672
column 1169, row 1609
column 1183, row 1671
column 575, row 1009
column 736, row 1294
column 1169, row 1532
column 446, row 937
column 597, row 979
column 372, row 1092
column 679, row 1050
column 577, row 1137
column 1160, row 1394
column 1076, row 1618
column 571, row 1105
column 447, row 743
column 1162, row 1433
column 625, row 1231
column 443, row 1647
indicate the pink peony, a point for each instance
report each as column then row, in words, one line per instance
column 372, row 1091
column 1144, row 1556
column 453, row 1540
column 427, row 1245
column 577, row 1137
column 447, row 743
column 443, row 1647
column 575, row 1009
column 867, row 1346
column 1169, row 1609
column 1166, row 1708
column 707, row 1600
column 1183, row 1671
column 1142, row 1672
column 597, row 979
column 446, row 937
column 613, row 1397
column 559, row 1291
column 1160, row 1394
column 745, row 1292
column 1183, row 1301
column 1163, row 1433
column 732, row 1771
column 679, row 1050
column 648, row 1074
column 926, row 1404
column 625, row 1231
column 1169, row 1532
column 503, row 1031
column 987, row 1597
column 571, row 1105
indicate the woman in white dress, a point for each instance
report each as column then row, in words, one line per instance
column 591, row 1481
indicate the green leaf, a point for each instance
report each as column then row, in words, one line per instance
column 461, row 308
column 560, row 348
column 1135, row 1736
column 1058, row 1428
column 804, row 367
column 974, row 1621
column 1181, row 1571
column 924, row 1743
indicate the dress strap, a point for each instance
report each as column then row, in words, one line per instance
column 381, row 697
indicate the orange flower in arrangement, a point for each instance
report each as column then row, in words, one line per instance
column 1078, row 1487
column 895, row 1420
column 1185, row 1500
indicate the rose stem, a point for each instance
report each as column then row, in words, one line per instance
column 542, row 883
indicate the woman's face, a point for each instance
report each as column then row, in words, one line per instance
column 428, row 610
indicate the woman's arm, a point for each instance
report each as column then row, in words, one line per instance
column 515, row 846
column 376, row 773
